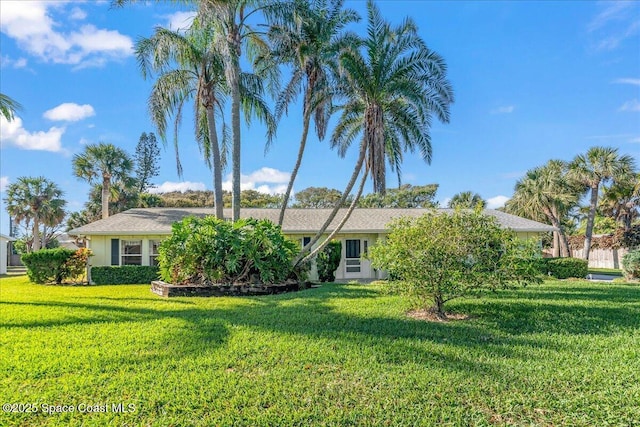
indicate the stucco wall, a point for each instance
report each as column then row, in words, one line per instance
column 101, row 247
column 3, row 255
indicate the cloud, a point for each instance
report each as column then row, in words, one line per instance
column 507, row 109
column 4, row 182
column 12, row 133
column 180, row 20
column 261, row 180
column 69, row 112
column 613, row 11
column 633, row 105
column 6, row 61
column 169, row 186
column 614, row 24
column 635, row 140
column 496, row 202
column 30, row 23
column 627, row 81
column 77, row 14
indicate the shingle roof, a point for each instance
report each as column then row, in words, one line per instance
column 146, row 221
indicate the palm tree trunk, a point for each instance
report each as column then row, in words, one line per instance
column 233, row 78
column 344, row 220
column 562, row 237
column 106, row 184
column 217, row 164
column 36, row 233
column 303, row 142
column 336, row 208
column 556, row 244
column 590, row 220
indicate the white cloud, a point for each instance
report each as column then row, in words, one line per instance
column 496, row 202
column 12, row 133
column 633, row 105
column 635, row 140
column 635, row 82
column 31, row 25
column 180, row 20
column 4, row 182
column 69, row 112
column 169, row 186
column 261, row 180
column 614, row 24
column 6, row 61
column 613, row 11
column 77, row 14
column 507, row 109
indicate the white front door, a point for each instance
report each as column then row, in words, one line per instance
column 354, row 266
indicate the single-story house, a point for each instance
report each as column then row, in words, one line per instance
column 4, row 240
column 132, row 237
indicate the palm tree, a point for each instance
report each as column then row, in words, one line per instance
column 310, row 40
column 598, row 166
column 38, row 200
column 466, row 200
column 8, row 107
column 546, row 193
column 392, row 84
column 621, row 200
column 106, row 163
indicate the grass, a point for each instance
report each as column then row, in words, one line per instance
column 563, row 353
column 611, row 271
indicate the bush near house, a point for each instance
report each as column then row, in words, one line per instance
column 564, row 268
column 210, row 251
column 55, row 265
column 631, row 265
column 124, row 274
column 328, row 261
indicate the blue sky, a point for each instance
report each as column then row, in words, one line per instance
column 532, row 80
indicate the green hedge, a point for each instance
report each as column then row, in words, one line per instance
column 631, row 265
column 328, row 261
column 563, row 268
column 55, row 265
column 124, row 275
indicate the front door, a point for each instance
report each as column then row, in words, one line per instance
column 354, row 266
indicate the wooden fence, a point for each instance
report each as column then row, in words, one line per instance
column 602, row 258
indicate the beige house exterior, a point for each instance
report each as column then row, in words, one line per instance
column 132, row 237
column 4, row 240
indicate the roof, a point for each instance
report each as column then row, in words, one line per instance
column 7, row 238
column 148, row 221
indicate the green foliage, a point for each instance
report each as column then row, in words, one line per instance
column 318, row 198
column 631, row 265
column 55, row 265
column 124, row 274
column 438, row 257
column 328, row 261
column 146, row 159
column 405, row 197
column 208, row 250
column 601, row 225
column 563, row 268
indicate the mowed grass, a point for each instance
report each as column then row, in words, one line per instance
column 563, row 353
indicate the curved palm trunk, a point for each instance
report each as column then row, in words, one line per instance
column 562, row 237
column 336, row 208
column 36, row 233
column 217, row 164
column 590, row 220
column 343, row 221
column 303, row 142
column 106, row 187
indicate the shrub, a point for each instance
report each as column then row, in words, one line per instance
column 328, row 261
column 438, row 257
column 124, row 275
column 563, row 268
column 55, row 265
column 631, row 265
column 209, row 250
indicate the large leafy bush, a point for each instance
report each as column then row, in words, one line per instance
column 439, row 256
column 631, row 265
column 56, row 265
column 328, row 261
column 209, row 250
column 124, row 274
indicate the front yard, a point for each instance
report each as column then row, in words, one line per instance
column 564, row 353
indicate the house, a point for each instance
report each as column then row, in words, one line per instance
column 4, row 240
column 133, row 237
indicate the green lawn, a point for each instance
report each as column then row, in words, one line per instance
column 565, row 353
column 611, row 271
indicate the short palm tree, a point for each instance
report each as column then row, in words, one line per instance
column 103, row 163
column 392, row 84
column 8, row 107
column 38, row 201
column 466, row 200
column 598, row 166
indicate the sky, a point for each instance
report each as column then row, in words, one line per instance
column 533, row 80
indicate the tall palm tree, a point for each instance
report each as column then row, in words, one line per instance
column 598, row 166
column 8, row 107
column 310, row 40
column 392, row 84
column 36, row 200
column 546, row 193
column 103, row 163
column 621, row 201
column 466, row 199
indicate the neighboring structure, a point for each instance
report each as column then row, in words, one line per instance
column 132, row 237
column 4, row 240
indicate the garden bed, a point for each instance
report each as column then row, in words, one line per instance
column 168, row 290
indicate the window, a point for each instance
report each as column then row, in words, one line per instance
column 305, row 241
column 153, row 251
column 131, row 251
